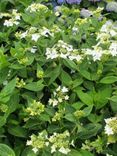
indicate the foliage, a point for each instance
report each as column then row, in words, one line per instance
column 58, row 78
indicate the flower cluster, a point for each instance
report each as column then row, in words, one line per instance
column 34, row 33
column 73, row 1
column 60, row 142
column 58, row 115
column 63, row 50
column 111, row 126
column 106, row 37
column 38, row 141
column 94, row 145
column 111, row 6
column 20, row 83
column 96, row 52
column 37, row 7
column 14, row 20
column 86, row 13
column 59, row 96
column 3, row 108
column 57, row 142
column 35, row 108
column 109, row 28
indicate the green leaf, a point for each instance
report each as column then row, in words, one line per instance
column 65, row 78
column 70, row 64
column 7, row 91
column 80, row 153
column 85, row 153
column 3, row 75
column 85, row 74
column 89, row 131
column 70, row 117
column 54, row 74
column 101, row 97
column 86, row 98
column 35, row 86
column 28, row 152
column 2, row 120
column 74, row 153
column 113, row 98
column 108, row 79
column 87, row 110
column 17, row 131
column 113, row 103
column 6, row 150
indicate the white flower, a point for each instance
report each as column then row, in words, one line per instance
column 113, row 49
column 75, row 57
column 58, row 89
column 8, row 23
column 33, row 49
column 108, row 154
column 54, row 94
column 29, row 142
column 64, row 55
column 35, row 150
column 66, row 97
column 53, row 149
column 110, row 125
column 64, row 150
column 60, row 100
column 46, row 32
column 51, row 53
column 24, row 34
column 113, row 33
column 64, row 89
column 96, row 56
column 96, row 53
column 35, row 37
column 17, row 15
column 108, row 130
column 16, row 22
column 55, row 102
column 50, row 101
column 47, row 143
column 106, row 26
column 75, row 30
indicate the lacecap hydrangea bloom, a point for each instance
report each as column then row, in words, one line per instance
column 69, row 1
column 86, row 13
column 94, row 0
column 59, row 95
column 111, row 126
column 73, row 1
column 111, row 6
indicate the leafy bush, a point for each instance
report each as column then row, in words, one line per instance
column 58, row 78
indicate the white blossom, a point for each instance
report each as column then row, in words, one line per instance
column 111, row 126
column 33, row 49
column 53, row 149
column 96, row 53
column 35, row 150
column 64, row 89
column 8, row 23
column 29, row 142
column 108, row 130
column 113, row 49
column 64, row 150
column 66, row 97
column 35, row 37
column 23, row 35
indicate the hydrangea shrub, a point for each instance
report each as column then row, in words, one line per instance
column 58, row 78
